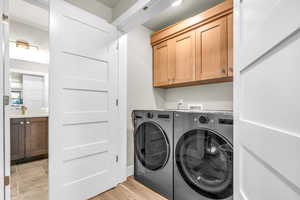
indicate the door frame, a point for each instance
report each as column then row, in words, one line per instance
column 236, row 106
column 5, row 136
column 2, row 164
column 122, row 93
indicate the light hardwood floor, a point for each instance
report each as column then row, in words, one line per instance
column 30, row 182
column 129, row 190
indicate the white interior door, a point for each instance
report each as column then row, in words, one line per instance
column 267, row 85
column 83, row 111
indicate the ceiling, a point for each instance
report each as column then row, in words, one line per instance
column 110, row 3
column 35, row 15
column 173, row 15
column 27, row 13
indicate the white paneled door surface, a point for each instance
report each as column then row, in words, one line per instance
column 83, row 112
column 267, row 85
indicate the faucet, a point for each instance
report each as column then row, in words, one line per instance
column 23, row 109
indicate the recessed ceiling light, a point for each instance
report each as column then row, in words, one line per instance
column 177, row 3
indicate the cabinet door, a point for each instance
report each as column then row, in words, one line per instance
column 212, row 50
column 230, row 44
column 182, row 58
column 17, row 139
column 161, row 65
column 36, row 136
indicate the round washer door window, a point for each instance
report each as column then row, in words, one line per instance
column 205, row 161
column 151, row 146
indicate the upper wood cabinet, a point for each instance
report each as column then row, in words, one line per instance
column 198, row 50
column 182, row 58
column 211, row 56
column 160, row 65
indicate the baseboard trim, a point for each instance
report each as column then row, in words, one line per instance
column 130, row 170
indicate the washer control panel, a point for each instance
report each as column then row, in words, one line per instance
column 150, row 115
column 203, row 119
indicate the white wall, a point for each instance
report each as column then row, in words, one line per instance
column 121, row 7
column 32, row 35
column 217, row 96
column 95, row 7
column 21, row 65
column 29, row 12
column 141, row 94
column 35, row 36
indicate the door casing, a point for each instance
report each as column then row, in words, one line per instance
column 2, row 163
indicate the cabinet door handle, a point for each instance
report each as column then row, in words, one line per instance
column 21, row 123
column 171, row 80
column 223, row 71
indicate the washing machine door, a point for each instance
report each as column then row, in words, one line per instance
column 205, row 161
column 152, row 147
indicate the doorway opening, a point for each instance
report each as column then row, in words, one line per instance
column 28, row 112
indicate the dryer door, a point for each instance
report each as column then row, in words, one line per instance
column 205, row 161
column 152, row 147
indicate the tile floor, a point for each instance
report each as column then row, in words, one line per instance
column 30, row 181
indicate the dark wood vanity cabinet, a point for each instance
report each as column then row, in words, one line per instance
column 36, row 137
column 29, row 137
column 17, row 139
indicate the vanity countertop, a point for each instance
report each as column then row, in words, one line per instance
column 29, row 115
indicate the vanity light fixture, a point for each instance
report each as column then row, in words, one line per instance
column 24, row 45
column 23, row 50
